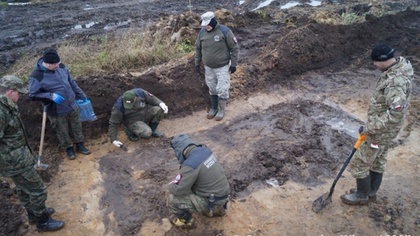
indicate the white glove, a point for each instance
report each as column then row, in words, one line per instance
column 117, row 143
column 164, row 107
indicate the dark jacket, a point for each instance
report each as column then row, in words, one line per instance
column 216, row 48
column 137, row 113
column 43, row 83
column 200, row 172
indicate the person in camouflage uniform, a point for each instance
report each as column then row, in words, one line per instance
column 387, row 109
column 201, row 185
column 217, row 48
column 17, row 160
column 140, row 112
column 52, row 83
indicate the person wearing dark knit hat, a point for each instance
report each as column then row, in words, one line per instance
column 217, row 48
column 387, row 109
column 51, row 56
column 52, row 83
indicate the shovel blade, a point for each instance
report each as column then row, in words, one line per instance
column 321, row 202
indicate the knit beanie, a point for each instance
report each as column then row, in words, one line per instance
column 51, row 56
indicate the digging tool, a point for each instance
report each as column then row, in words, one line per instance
column 325, row 199
column 124, row 148
column 39, row 165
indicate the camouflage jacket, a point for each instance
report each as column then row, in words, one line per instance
column 15, row 155
column 390, row 101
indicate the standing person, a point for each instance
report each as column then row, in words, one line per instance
column 52, row 83
column 387, row 109
column 140, row 112
column 217, row 48
column 201, row 185
column 17, row 160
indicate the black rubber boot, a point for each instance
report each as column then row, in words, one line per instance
column 80, row 147
column 46, row 223
column 214, row 99
column 70, row 153
column 155, row 132
column 360, row 197
column 375, row 183
column 221, row 112
column 31, row 215
column 131, row 136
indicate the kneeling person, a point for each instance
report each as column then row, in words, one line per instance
column 140, row 112
column 201, row 186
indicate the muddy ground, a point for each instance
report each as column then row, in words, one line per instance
column 300, row 93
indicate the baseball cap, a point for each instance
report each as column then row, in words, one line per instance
column 382, row 52
column 206, row 18
column 128, row 99
column 14, row 83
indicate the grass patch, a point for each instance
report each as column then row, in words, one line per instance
column 112, row 53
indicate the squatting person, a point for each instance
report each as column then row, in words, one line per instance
column 140, row 112
column 201, row 185
column 217, row 48
column 387, row 109
column 52, row 83
column 17, row 160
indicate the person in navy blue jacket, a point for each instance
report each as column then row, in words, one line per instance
column 52, row 83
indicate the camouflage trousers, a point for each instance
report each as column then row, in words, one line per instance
column 68, row 127
column 218, row 81
column 193, row 203
column 368, row 159
column 31, row 191
column 141, row 128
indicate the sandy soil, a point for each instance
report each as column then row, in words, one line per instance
column 297, row 99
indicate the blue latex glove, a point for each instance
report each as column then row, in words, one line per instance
column 57, row 98
column 84, row 100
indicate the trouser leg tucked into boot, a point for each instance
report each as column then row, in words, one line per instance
column 155, row 132
column 31, row 215
column 214, row 99
column 183, row 220
column 131, row 136
column 360, row 197
column 80, row 147
column 46, row 223
column 221, row 112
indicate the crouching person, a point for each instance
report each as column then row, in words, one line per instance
column 201, row 185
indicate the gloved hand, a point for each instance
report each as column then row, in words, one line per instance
column 198, row 70
column 57, row 98
column 362, row 130
column 232, row 69
column 164, row 107
column 84, row 99
column 117, row 143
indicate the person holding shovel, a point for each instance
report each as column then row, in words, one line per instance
column 140, row 112
column 387, row 109
column 201, row 185
column 52, row 83
column 17, row 160
column 217, row 48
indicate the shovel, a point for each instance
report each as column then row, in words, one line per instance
column 39, row 165
column 321, row 202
